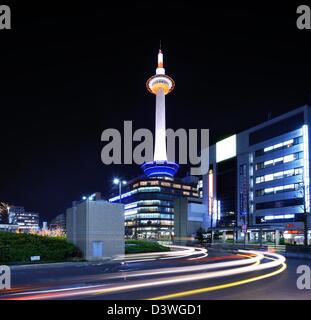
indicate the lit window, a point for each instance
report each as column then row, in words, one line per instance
column 290, row 157
column 268, row 190
column 278, row 189
column 268, row 163
column 268, row 177
column 277, row 146
column 278, row 175
column 298, row 171
column 288, row 143
column 278, row 160
column 269, row 217
column 178, row 186
column 165, row 184
column 268, row 149
column 289, row 173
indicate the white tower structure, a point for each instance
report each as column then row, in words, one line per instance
column 160, row 85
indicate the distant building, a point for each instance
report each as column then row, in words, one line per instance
column 96, row 227
column 59, row 222
column 44, row 225
column 8, row 227
column 26, row 221
column 188, row 218
column 4, row 219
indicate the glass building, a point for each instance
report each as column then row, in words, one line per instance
column 149, row 205
column 259, row 178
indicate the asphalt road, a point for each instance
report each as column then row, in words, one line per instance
column 133, row 281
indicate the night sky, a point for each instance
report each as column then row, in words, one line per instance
column 69, row 72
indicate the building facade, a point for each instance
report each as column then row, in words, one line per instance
column 26, row 221
column 59, row 222
column 259, row 179
column 96, row 227
column 149, row 205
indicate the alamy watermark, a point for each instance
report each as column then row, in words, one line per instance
column 304, row 280
column 5, row 278
column 304, row 19
column 189, row 151
column 5, row 17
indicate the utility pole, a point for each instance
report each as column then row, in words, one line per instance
column 305, row 215
column 212, row 218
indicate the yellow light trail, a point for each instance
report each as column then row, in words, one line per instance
column 219, row 287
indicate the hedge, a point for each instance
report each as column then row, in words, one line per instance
column 19, row 247
column 143, row 246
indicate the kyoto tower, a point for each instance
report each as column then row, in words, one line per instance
column 160, row 85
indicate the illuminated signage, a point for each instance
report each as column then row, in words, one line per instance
column 210, row 191
column 226, row 149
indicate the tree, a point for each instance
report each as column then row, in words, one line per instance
column 200, row 234
column 4, row 212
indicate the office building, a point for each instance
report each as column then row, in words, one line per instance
column 259, row 179
column 26, row 221
column 149, row 205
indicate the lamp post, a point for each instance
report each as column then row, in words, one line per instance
column 119, row 182
column 8, row 219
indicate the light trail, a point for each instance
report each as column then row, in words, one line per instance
column 196, row 268
column 178, row 253
column 110, row 288
column 220, row 287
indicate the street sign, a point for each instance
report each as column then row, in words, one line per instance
column 35, row 258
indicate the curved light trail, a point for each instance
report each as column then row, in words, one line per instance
column 177, row 253
column 236, row 267
column 219, row 287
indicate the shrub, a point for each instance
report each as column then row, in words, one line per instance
column 19, row 247
column 142, row 246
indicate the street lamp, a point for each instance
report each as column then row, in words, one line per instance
column 91, row 197
column 8, row 218
column 119, row 182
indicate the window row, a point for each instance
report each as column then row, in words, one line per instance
column 278, row 189
column 279, row 175
column 280, row 160
column 282, row 145
column 279, row 204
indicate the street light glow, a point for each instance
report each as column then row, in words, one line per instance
column 116, row 181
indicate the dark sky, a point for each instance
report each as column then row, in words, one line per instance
column 69, row 72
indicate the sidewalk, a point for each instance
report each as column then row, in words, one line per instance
column 59, row 264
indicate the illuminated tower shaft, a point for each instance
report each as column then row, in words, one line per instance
column 160, row 85
column 160, row 128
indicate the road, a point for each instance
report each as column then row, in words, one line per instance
column 185, row 273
